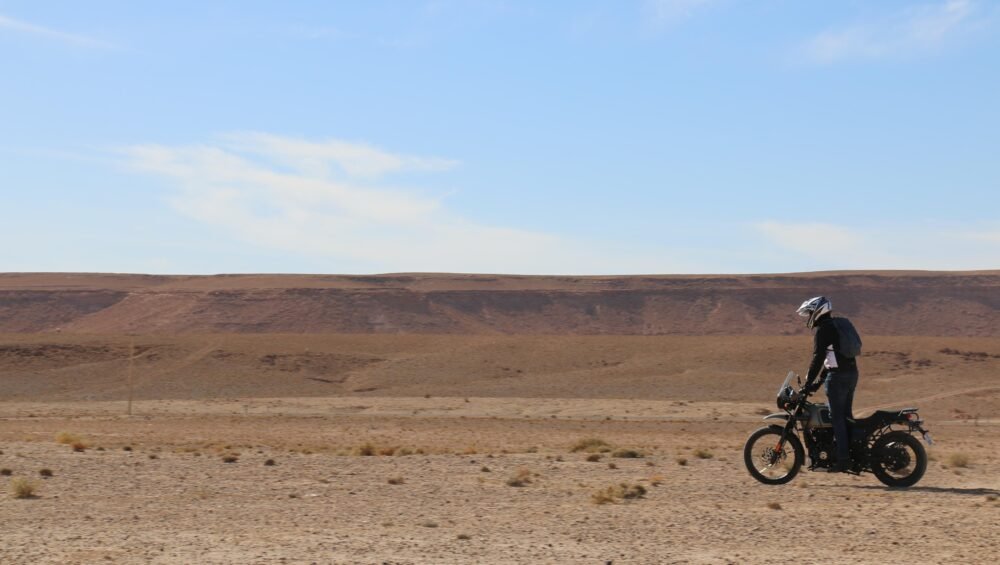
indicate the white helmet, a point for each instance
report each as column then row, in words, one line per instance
column 813, row 308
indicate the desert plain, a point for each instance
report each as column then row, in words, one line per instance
column 436, row 432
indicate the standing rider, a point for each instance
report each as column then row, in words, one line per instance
column 840, row 371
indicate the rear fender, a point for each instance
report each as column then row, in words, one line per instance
column 776, row 417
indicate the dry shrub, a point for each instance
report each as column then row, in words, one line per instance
column 614, row 493
column 80, row 447
column 594, row 457
column 464, row 536
column 230, row 459
column 45, row 472
column 6, row 472
column 67, row 438
column 591, row 445
column 269, row 463
column 365, row 450
column 387, row 451
column 656, row 480
column 520, row 479
column 396, row 480
column 429, row 524
column 627, row 453
column 774, row 505
column 612, row 465
column 22, row 488
column 703, row 453
column 682, row 461
column 403, row 451
column 484, row 469
column 959, row 460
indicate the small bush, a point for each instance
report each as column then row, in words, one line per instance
column 594, row 457
column 774, row 505
column 591, row 445
column 703, row 454
column 153, row 456
column 22, row 488
column 623, row 491
column 269, row 463
column 484, row 469
column 6, row 472
column 682, row 461
column 365, row 450
column 959, row 460
column 520, row 479
column 612, row 465
column 387, row 451
column 656, row 480
column 230, row 458
column 67, row 438
column 429, row 524
column 45, row 472
column 464, row 536
column 627, row 453
column 127, row 448
column 396, row 480
column 80, row 447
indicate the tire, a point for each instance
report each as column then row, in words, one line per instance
column 759, row 449
column 898, row 459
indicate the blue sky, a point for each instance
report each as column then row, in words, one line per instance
column 583, row 137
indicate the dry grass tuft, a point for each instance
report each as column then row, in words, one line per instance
column 774, row 505
column 230, row 459
column 594, row 457
column 703, row 453
column 627, row 453
column 656, row 480
column 365, row 450
column 429, row 524
column 464, row 536
column 22, row 488
column 396, row 480
column 45, row 472
column 80, row 447
column 614, row 493
column 591, row 445
column 269, row 463
column 521, row 478
column 682, row 461
column 67, row 438
column 959, row 460
column 5, row 472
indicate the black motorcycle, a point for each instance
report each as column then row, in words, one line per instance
column 883, row 443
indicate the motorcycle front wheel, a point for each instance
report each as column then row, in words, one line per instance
column 898, row 459
column 767, row 463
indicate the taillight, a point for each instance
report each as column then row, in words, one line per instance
column 913, row 417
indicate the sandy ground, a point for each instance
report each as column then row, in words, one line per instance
column 171, row 498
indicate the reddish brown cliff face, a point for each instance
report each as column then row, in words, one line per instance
column 881, row 303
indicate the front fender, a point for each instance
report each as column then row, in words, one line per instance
column 779, row 416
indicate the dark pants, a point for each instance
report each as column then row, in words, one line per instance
column 840, row 386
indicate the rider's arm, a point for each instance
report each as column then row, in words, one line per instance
column 825, row 336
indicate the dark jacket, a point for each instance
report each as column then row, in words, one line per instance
column 827, row 335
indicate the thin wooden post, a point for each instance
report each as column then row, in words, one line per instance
column 131, row 365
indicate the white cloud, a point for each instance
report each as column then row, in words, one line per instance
column 321, row 200
column 908, row 246
column 920, row 28
column 48, row 33
column 666, row 12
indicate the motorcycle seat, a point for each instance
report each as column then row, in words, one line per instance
column 879, row 417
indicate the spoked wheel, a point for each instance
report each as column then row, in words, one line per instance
column 898, row 459
column 766, row 462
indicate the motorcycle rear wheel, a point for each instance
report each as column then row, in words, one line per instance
column 767, row 465
column 898, row 459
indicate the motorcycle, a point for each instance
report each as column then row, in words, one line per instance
column 882, row 444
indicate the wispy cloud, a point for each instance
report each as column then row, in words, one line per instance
column 920, row 28
column 328, row 200
column 22, row 27
column 831, row 246
column 663, row 13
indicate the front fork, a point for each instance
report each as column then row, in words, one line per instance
column 788, row 430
